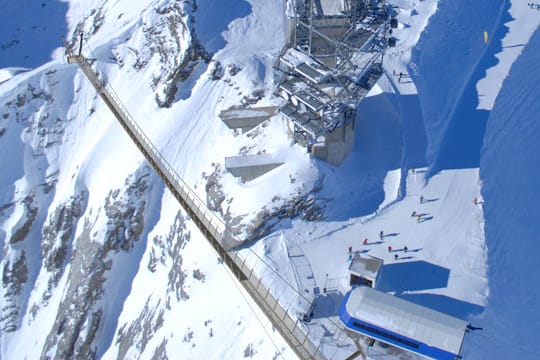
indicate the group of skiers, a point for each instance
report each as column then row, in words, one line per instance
column 396, row 256
column 381, row 237
column 419, row 218
column 534, row 5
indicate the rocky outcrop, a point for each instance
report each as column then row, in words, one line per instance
column 165, row 255
column 140, row 330
column 304, row 205
column 80, row 314
column 175, row 42
column 14, row 276
column 33, row 107
column 170, row 43
column 34, row 115
column 25, row 223
column 125, row 217
column 167, row 252
column 57, row 238
column 15, row 268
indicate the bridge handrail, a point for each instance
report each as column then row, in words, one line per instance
column 302, row 343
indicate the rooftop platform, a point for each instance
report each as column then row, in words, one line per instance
column 302, row 120
column 332, row 7
column 313, row 98
column 248, row 118
column 250, row 167
column 366, row 266
column 312, row 73
column 333, row 27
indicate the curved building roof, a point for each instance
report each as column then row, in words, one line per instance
column 402, row 317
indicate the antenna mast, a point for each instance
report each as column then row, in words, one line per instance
column 71, row 58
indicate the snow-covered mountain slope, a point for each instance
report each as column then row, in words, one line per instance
column 98, row 259
column 509, row 169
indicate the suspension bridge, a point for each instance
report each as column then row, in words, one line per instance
column 320, row 341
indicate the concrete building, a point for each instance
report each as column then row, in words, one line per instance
column 364, row 270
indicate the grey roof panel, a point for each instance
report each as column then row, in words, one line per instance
column 404, row 317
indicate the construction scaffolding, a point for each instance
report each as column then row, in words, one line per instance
column 334, row 58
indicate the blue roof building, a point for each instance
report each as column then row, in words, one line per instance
column 403, row 324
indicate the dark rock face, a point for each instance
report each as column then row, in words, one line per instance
column 306, row 207
column 169, row 37
column 26, row 222
column 14, row 276
column 125, row 218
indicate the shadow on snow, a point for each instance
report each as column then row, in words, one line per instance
column 389, row 135
column 449, row 98
column 458, row 308
column 411, row 276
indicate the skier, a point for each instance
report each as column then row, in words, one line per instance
column 396, row 257
column 419, row 218
column 421, row 199
column 405, row 248
column 413, row 214
column 472, row 328
column 350, row 249
column 389, row 248
column 381, row 235
column 365, row 241
column 475, row 201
